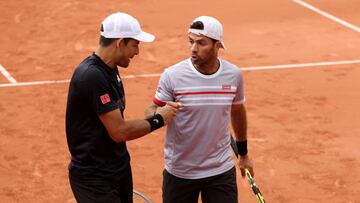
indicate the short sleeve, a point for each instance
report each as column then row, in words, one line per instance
column 164, row 91
column 239, row 95
column 99, row 92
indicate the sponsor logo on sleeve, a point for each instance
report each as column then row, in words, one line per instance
column 105, row 98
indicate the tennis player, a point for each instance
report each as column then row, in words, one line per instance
column 198, row 159
column 96, row 130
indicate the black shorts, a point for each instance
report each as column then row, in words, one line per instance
column 216, row 189
column 117, row 190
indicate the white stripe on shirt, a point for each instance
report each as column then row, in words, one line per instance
column 207, row 98
column 203, row 87
column 208, row 104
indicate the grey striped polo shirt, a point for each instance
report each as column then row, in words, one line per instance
column 197, row 139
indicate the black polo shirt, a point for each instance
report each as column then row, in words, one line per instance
column 95, row 88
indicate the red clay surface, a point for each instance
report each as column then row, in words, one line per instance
column 303, row 123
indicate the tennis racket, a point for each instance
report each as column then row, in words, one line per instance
column 139, row 197
column 249, row 178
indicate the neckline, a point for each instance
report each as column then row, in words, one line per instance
column 204, row 75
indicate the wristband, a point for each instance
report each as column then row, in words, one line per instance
column 242, row 147
column 155, row 122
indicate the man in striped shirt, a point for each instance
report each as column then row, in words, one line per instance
column 198, row 157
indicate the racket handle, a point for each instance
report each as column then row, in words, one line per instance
column 247, row 173
column 254, row 187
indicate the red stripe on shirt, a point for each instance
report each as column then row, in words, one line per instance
column 158, row 102
column 190, row 93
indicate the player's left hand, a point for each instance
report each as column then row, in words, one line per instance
column 245, row 162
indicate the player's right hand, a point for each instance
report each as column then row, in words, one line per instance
column 177, row 105
column 245, row 162
column 168, row 111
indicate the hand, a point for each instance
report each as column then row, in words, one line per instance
column 168, row 111
column 177, row 105
column 245, row 162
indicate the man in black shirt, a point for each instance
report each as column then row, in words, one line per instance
column 99, row 170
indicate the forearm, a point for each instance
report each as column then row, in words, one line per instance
column 130, row 130
column 239, row 123
column 121, row 130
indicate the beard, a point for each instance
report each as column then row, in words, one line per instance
column 205, row 60
column 206, row 56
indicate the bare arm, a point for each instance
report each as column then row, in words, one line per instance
column 121, row 130
column 239, row 124
column 239, row 121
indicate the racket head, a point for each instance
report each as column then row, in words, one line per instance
column 139, row 197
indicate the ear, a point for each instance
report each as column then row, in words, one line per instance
column 218, row 45
column 118, row 42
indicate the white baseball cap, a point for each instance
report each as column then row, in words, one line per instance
column 210, row 27
column 122, row 25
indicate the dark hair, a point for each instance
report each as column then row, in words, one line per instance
column 198, row 25
column 104, row 42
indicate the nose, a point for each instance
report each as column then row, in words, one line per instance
column 194, row 48
column 137, row 51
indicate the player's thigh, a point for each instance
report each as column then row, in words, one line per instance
column 94, row 192
column 179, row 190
column 124, row 185
column 221, row 188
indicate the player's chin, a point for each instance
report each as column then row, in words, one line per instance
column 124, row 64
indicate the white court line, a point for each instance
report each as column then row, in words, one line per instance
column 142, row 76
column 254, row 68
column 338, row 20
column 7, row 74
column 34, row 83
column 301, row 65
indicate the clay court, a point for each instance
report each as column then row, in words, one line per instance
column 301, row 65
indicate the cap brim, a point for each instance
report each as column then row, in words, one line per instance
column 144, row 37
